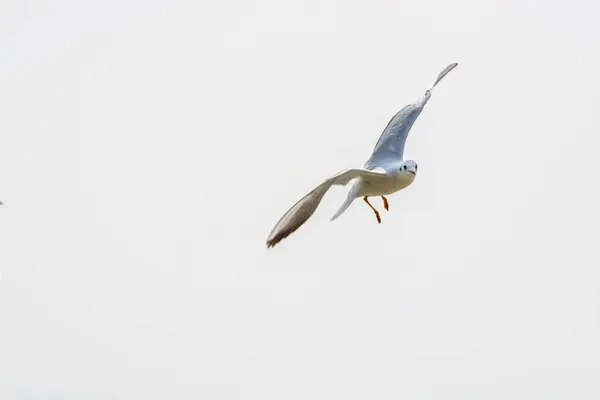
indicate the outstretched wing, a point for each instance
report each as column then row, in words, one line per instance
column 300, row 212
column 390, row 145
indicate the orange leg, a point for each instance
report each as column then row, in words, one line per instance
column 366, row 199
column 385, row 203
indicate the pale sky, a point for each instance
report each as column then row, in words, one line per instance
column 148, row 148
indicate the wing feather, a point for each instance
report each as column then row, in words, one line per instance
column 390, row 145
column 300, row 212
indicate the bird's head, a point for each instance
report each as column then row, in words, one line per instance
column 408, row 167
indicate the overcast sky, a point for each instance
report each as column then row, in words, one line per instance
column 148, row 148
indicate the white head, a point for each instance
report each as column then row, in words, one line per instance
column 408, row 167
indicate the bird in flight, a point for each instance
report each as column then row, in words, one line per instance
column 384, row 173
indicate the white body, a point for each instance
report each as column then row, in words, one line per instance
column 381, row 186
column 382, row 181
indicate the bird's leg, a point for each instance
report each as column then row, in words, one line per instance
column 366, row 199
column 385, row 203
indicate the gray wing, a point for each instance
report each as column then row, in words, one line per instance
column 390, row 145
column 300, row 212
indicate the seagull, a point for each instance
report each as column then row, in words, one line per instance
column 384, row 173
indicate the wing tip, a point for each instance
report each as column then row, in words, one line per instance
column 273, row 239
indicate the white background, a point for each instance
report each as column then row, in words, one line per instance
column 147, row 148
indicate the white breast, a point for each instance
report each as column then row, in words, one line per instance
column 384, row 185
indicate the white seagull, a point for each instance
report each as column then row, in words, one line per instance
column 384, row 173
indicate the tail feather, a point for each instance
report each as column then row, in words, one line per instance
column 343, row 208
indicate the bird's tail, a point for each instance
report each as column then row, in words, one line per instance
column 343, row 208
